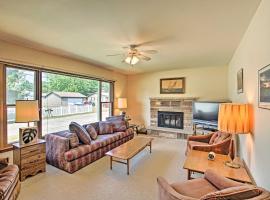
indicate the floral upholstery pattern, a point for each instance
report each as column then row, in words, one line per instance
column 61, row 155
column 81, row 132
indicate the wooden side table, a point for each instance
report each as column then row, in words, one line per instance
column 197, row 161
column 30, row 158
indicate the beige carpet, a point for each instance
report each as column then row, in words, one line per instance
column 98, row 182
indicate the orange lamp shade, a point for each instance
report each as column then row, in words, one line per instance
column 234, row 118
column 27, row 111
column 122, row 103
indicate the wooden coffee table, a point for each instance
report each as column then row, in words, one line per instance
column 128, row 150
column 197, row 161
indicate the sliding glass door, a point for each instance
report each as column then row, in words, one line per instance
column 67, row 98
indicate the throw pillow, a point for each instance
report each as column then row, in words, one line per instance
column 119, row 125
column 73, row 138
column 91, row 131
column 105, row 128
column 81, row 132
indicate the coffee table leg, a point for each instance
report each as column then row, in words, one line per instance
column 127, row 166
column 188, row 174
column 111, row 162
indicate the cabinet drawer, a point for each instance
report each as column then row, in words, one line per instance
column 32, row 150
column 33, row 161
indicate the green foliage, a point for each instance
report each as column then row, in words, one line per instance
column 62, row 83
column 18, row 83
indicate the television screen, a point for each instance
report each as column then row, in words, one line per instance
column 206, row 111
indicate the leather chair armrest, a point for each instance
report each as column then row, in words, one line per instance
column 166, row 192
column 200, row 138
column 219, row 181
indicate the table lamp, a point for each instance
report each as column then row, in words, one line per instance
column 122, row 104
column 27, row 111
column 234, row 119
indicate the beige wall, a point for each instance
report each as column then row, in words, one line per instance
column 19, row 54
column 252, row 54
column 207, row 83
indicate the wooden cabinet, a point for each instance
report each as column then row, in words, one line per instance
column 31, row 158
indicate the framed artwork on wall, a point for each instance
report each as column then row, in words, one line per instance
column 264, row 87
column 240, row 81
column 172, row 85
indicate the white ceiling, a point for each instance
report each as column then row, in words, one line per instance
column 186, row 33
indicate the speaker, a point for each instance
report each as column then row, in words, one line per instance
column 28, row 135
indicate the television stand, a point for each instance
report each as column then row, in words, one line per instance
column 202, row 129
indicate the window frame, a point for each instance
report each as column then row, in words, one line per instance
column 38, row 93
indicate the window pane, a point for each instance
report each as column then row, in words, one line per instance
column 20, row 85
column 105, row 92
column 13, row 128
column 106, row 110
column 65, row 99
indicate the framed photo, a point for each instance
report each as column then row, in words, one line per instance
column 240, row 81
column 172, row 85
column 264, row 87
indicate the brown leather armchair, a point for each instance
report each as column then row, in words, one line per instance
column 218, row 142
column 212, row 186
column 9, row 180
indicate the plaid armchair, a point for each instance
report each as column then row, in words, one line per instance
column 218, row 142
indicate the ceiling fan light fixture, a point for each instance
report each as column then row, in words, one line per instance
column 132, row 60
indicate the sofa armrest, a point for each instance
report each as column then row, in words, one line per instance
column 166, row 192
column 219, row 181
column 220, row 148
column 56, row 146
column 200, row 138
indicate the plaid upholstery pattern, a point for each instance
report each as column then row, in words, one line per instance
column 80, row 151
column 105, row 128
column 91, row 131
column 73, row 138
column 82, row 134
column 59, row 154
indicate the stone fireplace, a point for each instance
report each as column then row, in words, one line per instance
column 171, row 116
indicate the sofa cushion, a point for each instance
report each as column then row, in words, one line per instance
column 81, row 151
column 8, row 177
column 195, row 188
column 234, row 193
column 119, row 125
column 81, row 132
column 105, row 128
column 123, row 134
column 218, row 137
column 91, row 131
column 73, row 138
column 107, row 139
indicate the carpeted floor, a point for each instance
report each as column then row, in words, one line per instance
column 98, row 182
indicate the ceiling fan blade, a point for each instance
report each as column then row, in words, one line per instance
column 149, row 51
column 157, row 40
column 143, row 57
column 118, row 54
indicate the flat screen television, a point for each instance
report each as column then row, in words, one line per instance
column 206, row 112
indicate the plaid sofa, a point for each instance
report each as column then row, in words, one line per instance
column 60, row 155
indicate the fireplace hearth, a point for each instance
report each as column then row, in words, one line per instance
column 171, row 119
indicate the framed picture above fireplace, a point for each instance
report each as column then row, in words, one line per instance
column 172, row 85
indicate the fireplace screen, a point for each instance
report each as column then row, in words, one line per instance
column 170, row 119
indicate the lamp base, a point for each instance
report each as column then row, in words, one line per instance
column 232, row 164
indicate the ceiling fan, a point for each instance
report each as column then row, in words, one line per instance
column 133, row 55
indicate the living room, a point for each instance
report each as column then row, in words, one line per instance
column 94, row 83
